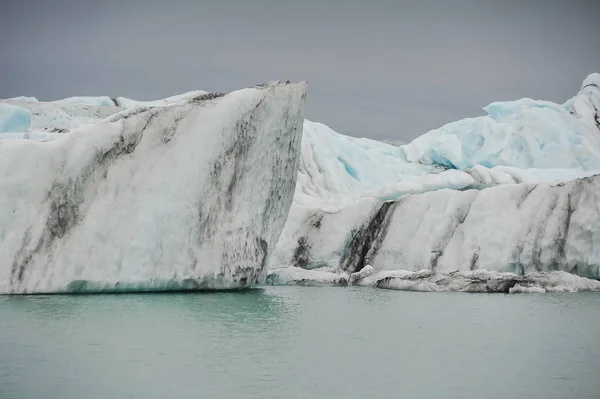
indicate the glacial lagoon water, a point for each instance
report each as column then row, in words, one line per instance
column 301, row 342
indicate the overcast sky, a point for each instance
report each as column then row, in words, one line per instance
column 378, row 68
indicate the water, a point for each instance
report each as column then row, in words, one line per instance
column 301, row 342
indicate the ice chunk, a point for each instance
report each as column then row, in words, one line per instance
column 363, row 273
column 298, row 276
column 480, row 281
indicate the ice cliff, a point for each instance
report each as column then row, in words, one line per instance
column 190, row 193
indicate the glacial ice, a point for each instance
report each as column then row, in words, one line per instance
column 515, row 191
column 129, row 103
column 152, row 198
column 523, row 133
column 512, row 193
column 14, row 118
column 479, row 281
column 62, row 116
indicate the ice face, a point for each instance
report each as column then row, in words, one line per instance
column 520, row 228
column 150, row 199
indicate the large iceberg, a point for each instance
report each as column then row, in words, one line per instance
column 152, row 198
column 515, row 191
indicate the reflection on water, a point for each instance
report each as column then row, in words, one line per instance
column 298, row 342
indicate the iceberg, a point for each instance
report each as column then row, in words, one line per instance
column 152, row 198
column 515, row 191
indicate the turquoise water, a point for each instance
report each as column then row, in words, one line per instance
column 301, row 342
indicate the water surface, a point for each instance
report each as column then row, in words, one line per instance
column 301, row 342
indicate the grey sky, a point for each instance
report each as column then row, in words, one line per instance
column 378, row 68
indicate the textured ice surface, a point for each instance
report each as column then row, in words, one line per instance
column 523, row 133
column 129, row 103
column 428, row 281
column 14, row 118
column 336, row 169
column 100, row 101
column 62, row 116
column 150, row 199
column 35, row 136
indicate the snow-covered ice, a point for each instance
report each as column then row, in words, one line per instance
column 160, row 198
